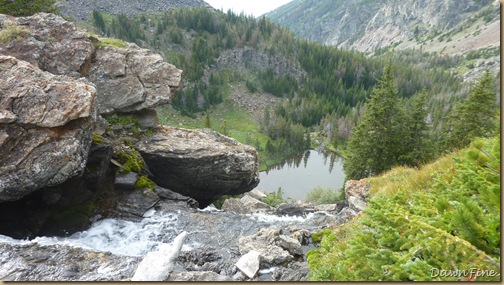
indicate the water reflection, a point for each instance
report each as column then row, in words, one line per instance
column 299, row 174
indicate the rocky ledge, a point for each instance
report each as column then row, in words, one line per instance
column 202, row 164
column 74, row 113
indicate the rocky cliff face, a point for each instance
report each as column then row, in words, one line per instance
column 369, row 25
column 61, row 162
column 82, row 9
column 46, row 123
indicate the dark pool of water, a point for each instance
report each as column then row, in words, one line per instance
column 299, row 174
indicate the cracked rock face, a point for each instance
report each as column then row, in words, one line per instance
column 131, row 79
column 200, row 164
column 46, row 123
column 127, row 78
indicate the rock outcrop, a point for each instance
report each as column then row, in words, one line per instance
column 132, row 79
column 200, row 164
column 46, row 123
column 127, row 78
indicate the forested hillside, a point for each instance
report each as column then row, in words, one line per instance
column 321, row 89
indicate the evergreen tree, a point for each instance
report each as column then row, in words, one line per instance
column 224, row 128
column 98, row 21
column 418, row 142
column 475, row 116
column 208, row 122
column 377, row 142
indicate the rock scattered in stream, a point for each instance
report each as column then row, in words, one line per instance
column 215, row 243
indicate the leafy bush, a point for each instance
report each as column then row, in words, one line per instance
column 448, row 221
column 13, row 32
column 274, row 199
column 320, row 196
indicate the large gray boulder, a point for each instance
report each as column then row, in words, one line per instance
column 201, row 164
column 132, row 79
column 245, row 205
column 46, row 123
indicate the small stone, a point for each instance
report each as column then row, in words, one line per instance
column 249, row 263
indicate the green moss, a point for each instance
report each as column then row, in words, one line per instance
column 121, row 119
column 13, row 32
column 62, row 222
column 144, row 182
column 110, row 42
column 97, row 138
column 132, row 161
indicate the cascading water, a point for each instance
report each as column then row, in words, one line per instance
column 111, row 249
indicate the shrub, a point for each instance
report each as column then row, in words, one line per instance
column 274, row 199
column 320, row 196
column 13, row 32
column 105, row 42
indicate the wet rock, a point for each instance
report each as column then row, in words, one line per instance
column 198, row 276
column 174, row 196
column 202, row 259
column 249, row 263
column 126, row 180
column 245, row 205
column 49, row 140
column 332, row 208
column 200, row 164
column 295, row 271
column 34, row 262
column 292, row 210
column 292, row 245
column 264, row 242
column 136, row 202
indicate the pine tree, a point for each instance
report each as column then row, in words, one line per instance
column 475, row 116
column 378, row 139
column 208, row 122
column 224, row 128
column 419, row 146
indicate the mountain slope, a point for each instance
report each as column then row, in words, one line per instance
column 366, row 25
column 81, row 10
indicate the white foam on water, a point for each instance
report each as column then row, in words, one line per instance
column 268, row 218
column 119, row 237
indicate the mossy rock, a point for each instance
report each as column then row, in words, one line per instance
column 68, row 221
column 144, row 182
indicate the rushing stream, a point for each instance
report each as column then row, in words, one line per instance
column 115, row 245
column 301, row 173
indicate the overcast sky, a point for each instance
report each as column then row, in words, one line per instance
column 254, row 7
